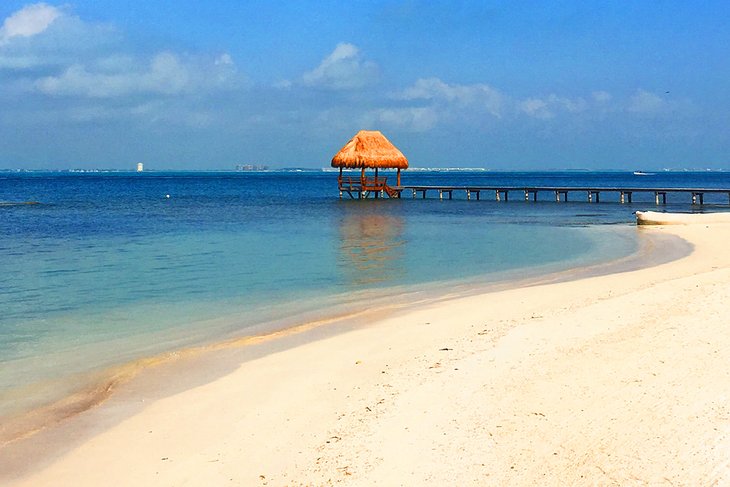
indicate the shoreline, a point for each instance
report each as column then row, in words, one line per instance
column 95, row 428
column 101, row 384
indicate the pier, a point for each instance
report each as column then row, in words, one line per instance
column 372, row 150
column 590, row 194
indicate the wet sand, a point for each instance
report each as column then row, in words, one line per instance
column 608, row 379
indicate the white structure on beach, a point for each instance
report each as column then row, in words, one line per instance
column 140, row 167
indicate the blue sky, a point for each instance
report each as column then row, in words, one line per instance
column 501, row 85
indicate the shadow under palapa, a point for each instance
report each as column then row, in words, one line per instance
column 372, row 247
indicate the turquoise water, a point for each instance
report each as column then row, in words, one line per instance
column 108, row 268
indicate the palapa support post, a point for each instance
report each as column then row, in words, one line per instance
column 339, row 183
column 397, row 182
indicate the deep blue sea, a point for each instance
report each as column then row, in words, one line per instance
column 110, row 267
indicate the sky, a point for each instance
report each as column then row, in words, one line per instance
column 490, row 84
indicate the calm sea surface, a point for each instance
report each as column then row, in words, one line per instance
column 108, row 269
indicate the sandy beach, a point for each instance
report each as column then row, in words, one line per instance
column 618, row 379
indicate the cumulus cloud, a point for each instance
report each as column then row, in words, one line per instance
column 166, row 74
column 535, row 107
column 224, row 59
column 431, row 101
column 645, row 102
column 49, row 51
column 57, row 68
column 601, row 96
column 343, row 69
column 548, row 107
column 477, row 96
column 414, row 119
column 28, row 21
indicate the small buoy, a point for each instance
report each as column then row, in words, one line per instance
column 167, row 196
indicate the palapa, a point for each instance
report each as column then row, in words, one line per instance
column 370, row 149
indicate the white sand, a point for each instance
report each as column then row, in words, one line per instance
column 613, row 380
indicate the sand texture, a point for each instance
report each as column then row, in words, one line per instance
column 622, row 379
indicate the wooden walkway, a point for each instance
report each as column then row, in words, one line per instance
column 591, row 194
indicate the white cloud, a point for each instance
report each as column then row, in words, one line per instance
column 601, row 96
column 224, row 59
column 646, row 102
column 19, row 62
column 476, row 96
column 547, row 108
column 165, row 74
column 415, row 119
column 343, row 69
column 283, row 84
column 535, row 107
column 28, row 21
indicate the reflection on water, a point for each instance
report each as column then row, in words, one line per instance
column 372, row 247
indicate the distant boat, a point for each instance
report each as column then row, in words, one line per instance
column 642, row 173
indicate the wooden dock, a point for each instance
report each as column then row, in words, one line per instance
column 364, row 187
column 563, row 193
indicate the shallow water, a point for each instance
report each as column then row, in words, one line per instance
column 107, row 268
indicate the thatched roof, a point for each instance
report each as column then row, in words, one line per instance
column 370, row 148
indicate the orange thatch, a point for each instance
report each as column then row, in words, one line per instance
column 370, row 148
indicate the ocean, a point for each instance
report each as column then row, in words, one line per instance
column 111, row 267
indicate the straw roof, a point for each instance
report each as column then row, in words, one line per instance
column 370, row 148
